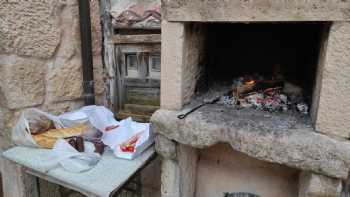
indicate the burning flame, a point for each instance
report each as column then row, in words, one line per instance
column 249, row 82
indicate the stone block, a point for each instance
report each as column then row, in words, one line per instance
column 22, row 81
column 314, row 185
column 256, row 10
column 165, row 147
column 333, row 112
column 65, row 80
column 30, row 28
column 70, row 33
column 173, row 35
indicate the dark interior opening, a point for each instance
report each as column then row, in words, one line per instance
column 289, row 49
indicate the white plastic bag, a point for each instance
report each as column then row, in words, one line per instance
column 65, row 156
column 21, row 133
column 100, row 117
column 70, row 119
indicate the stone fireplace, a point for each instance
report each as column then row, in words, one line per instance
column 299, row 48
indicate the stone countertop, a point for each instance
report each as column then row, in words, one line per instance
column 285, row 138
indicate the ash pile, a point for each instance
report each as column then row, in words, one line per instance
column 272, row 95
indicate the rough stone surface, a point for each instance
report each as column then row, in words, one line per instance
column 30, row 28
column 40, row 63
column 333, row 113
column 70, row 33
column 170, row 178
column 165, row 147
column 96, row 34
column 5, row 127
column 187, row 159
column 65, row 80
column 181, row 52
column 61, row 107
column 314, row 185
column 193, row 49
column 22, row 81
column 173, row 35
column 256, row 10
column 99, row 75
column 280, row 138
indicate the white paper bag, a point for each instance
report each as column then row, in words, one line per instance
column 129, row 131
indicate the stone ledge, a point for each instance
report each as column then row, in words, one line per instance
column 280, row 138
column 255, row 10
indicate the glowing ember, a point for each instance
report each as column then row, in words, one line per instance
column 263, row 94
column 249, row 82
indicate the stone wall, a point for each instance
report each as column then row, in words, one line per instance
column 40, row 58
column 40, row 61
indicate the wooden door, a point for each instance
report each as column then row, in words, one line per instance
column 139, row 80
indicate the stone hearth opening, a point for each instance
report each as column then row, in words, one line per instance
column 284, row 54
column 207, row 46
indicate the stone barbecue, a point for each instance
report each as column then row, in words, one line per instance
column 270, row 84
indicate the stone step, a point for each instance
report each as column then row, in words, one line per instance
column 140, row 109
column 143, row 96
column 137, row 117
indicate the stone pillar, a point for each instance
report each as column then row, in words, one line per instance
column 314, row 185
column 173, row 41
column 179, row 168
column 188, row 158
column 170, row 179
column 333, row 111
column 182, row 45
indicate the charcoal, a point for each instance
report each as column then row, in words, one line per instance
column 303, row 108
column 266, row 95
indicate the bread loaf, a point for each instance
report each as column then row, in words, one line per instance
column 49, row 138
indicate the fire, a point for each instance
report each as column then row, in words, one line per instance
column 249, row 82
